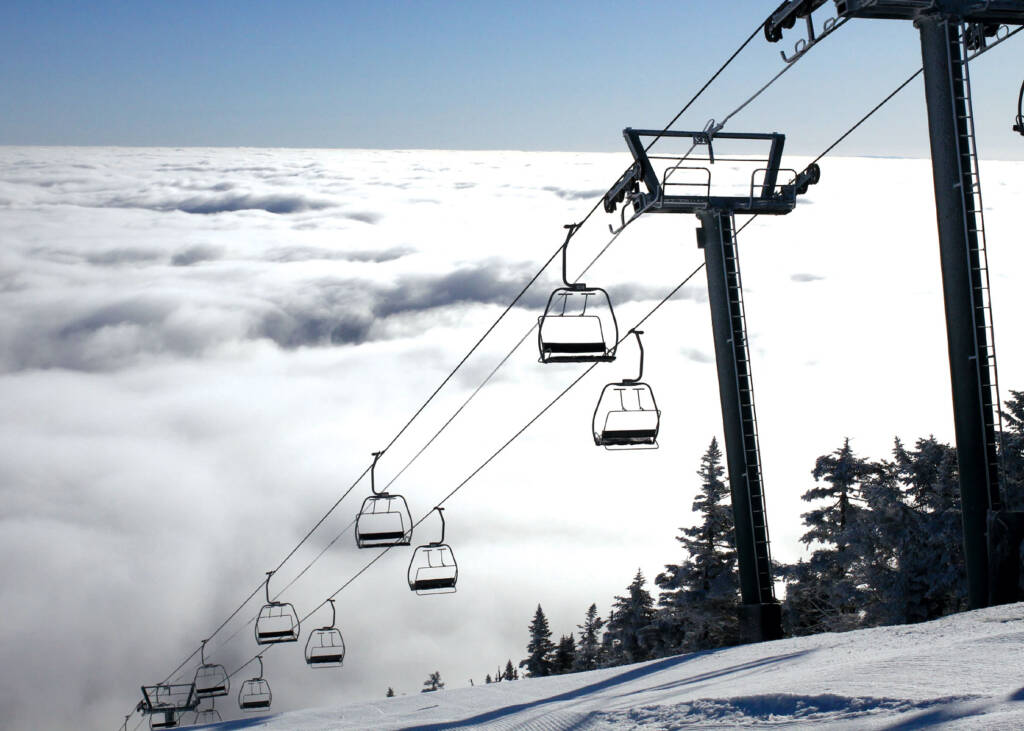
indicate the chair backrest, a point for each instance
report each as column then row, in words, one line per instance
column 630, row 421
column 571, row 333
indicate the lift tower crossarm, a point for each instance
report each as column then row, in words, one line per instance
column 765, row 198
column 1010, row 12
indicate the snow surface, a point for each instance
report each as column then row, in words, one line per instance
column 963, row 671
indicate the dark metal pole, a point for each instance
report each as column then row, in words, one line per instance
column 760, row 614
column 948, row 129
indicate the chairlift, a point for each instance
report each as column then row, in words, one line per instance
column 325, row 647
column 164, row 702
column 277, row 621
column 207, row 715
column 432, row 569
column 210, row 680
column 578, row 324
column 254, row 695
column 384, row 519
column 1019, row 126
column 627, row 416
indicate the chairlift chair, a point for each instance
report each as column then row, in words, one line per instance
column 384, row 519
column 627, row 416
column 211, row 680
column 325, row 647
column 432, row 569
column 206, row 715
column 277, row 621
column 578, row 324
column 254, row 695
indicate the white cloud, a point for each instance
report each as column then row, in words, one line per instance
column 182, row 395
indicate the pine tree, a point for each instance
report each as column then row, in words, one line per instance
column 540, row 648
column 1012, row 449
column 700, row 597
column 565, row 655
column 826, row 593
column 930, row 556
column 390, row 693
column 510, row 672
column 487, row 679
column 631, row 630
column 589, row 652
column 433, row 682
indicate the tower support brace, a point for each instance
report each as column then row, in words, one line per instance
column 760, row 614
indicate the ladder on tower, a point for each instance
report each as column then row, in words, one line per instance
column 745, row 392
column 970, row 190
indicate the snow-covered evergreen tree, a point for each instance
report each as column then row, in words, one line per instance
column 1012, row 444
column 565, row 655
column 631, row 632
column 589, row 651
column 540, row 648
column 826, row 592
column 700, row 596
column 930, row 544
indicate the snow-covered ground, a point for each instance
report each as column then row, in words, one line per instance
column 963, row 671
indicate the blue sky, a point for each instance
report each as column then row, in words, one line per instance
column 494, row 75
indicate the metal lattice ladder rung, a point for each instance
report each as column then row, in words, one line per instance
column 984, row 333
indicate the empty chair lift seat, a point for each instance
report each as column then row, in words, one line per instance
column 277, row 622
column 384, row 520
column 210, row 715
column 577, row 326
column 626, row 417
column 564, row 337
column 630, row 427
column 254, row 695
column 433, row 570
column 325, row 648
column 211, row 681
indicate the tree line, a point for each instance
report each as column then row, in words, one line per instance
column 885, row 547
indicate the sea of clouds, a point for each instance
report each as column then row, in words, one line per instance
column 199, row 348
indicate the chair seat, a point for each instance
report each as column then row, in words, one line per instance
column 629, row 436
column 321, row 659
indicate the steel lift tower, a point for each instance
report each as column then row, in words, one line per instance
column 950, row 30
column 684, row 186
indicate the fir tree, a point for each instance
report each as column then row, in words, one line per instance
column 487, row 679
column 432, row 683
column 631, row 632
column 565, row 655
column 1012, row 450
column 826, row 593
column 928, row 540
column 510, row 672
column 390, row 693
column 700, row 597
column 589, row 652
column 540, row 648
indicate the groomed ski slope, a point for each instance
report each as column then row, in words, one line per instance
column 964, row 671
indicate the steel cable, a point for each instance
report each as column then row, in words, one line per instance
column 451, row 374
